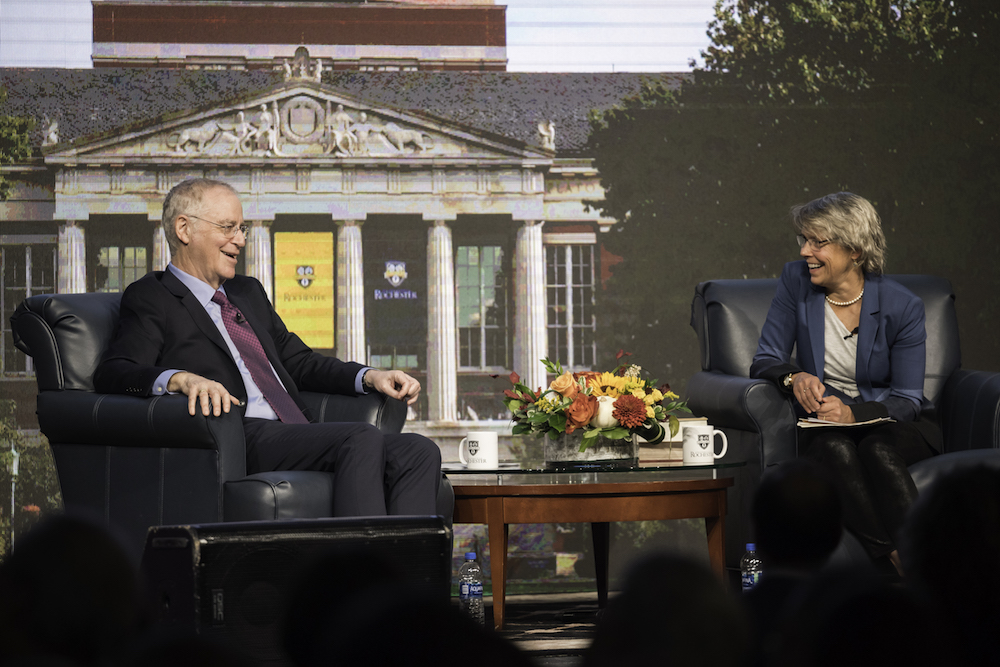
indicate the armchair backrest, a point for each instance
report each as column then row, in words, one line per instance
column 65, row 335
column 728, row 315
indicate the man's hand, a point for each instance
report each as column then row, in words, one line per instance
column 214, row 398
column 834, row 410
column 808, row 391
column 396, row 384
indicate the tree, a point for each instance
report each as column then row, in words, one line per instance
column 703, row 179
column 15, row 143
column 36, row 487
column 803, row 51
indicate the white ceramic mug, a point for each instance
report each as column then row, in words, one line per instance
column 478, row 450
column 698, row 444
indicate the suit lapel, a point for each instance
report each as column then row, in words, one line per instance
column 816, row 319
column 195, row 309
column 867, row 329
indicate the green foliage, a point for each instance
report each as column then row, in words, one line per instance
column 703, row 180
column 804, row 51
column 15, row 143
column 36, row 488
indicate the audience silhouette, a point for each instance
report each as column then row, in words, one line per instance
column 69, row 594
column 350, row 608
column 671, row 611
column 796, row 515
column 950, row 549
column 852, row 616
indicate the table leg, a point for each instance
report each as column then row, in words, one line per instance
column 715, row 530
column 601, row 532
column 498, row 534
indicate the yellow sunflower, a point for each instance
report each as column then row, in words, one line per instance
column 607, row 384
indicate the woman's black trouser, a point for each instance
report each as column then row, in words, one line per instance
column 870, row 464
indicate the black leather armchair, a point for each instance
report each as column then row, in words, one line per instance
column 759, row 420
column 141, row 462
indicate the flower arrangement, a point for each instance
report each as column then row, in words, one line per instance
column 613, row 404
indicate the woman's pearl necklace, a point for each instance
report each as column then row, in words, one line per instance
column 846, row 303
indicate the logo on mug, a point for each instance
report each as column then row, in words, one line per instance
column 473, row 447
column 704, row 441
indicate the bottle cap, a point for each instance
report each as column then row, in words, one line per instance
column 470, row 555
column 751, row 546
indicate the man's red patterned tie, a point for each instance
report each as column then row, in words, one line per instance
column 256, row 362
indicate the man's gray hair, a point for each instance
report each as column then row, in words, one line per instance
column 187, row 197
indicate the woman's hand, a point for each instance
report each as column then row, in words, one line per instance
column 808, row 391
column 834, row 410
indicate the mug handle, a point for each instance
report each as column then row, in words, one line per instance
column 725, row 444
column 461, row 451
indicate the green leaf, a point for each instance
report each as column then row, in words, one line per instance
column 675, row 425
column 552, row 367
column 520, row 429
column 539, row 417
column 591, row 434
column 616, row 433
column 557, row 421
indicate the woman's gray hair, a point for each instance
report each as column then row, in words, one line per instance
column 187, row 197
column 848, row 220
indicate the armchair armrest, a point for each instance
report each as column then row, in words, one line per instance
column 387, row 414
column 970, row 411
column 745, row 404
column 111, row 420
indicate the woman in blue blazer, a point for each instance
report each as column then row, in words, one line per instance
column 859, row 344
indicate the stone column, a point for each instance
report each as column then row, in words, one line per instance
column 530, row 335
column 260, row 256
column 442, row 332
column 72, row 259
column 350, row 294
column 161, row 251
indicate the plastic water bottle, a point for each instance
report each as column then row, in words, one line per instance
column 470, row 589
column 750, row 567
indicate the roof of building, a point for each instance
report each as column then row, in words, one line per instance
column 92, row 103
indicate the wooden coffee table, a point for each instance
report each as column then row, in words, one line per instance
column 501, row 497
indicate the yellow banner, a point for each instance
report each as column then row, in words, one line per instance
column 303, row 285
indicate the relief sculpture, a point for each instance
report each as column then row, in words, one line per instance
column 201, row 136
column 298, row 126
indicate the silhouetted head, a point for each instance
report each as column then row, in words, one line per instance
column 671, row 611
column 797, row 516
column 68, row 590
column 950, row 548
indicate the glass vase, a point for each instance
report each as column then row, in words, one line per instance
column 563, row 453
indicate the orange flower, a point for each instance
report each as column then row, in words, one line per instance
column 630, row 411
column 580, row 412
column 566, row 385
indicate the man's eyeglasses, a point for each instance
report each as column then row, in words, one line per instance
column 813, row 243
column 229, row 231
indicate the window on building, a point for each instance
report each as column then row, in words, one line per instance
column 29, row 268
column 569, row 282
column 483, row 326
column 119, row 267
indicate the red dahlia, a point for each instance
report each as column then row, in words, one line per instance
column 629, row 411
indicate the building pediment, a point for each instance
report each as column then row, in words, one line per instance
column 306, row 123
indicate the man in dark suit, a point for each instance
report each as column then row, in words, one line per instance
column 199, row 329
